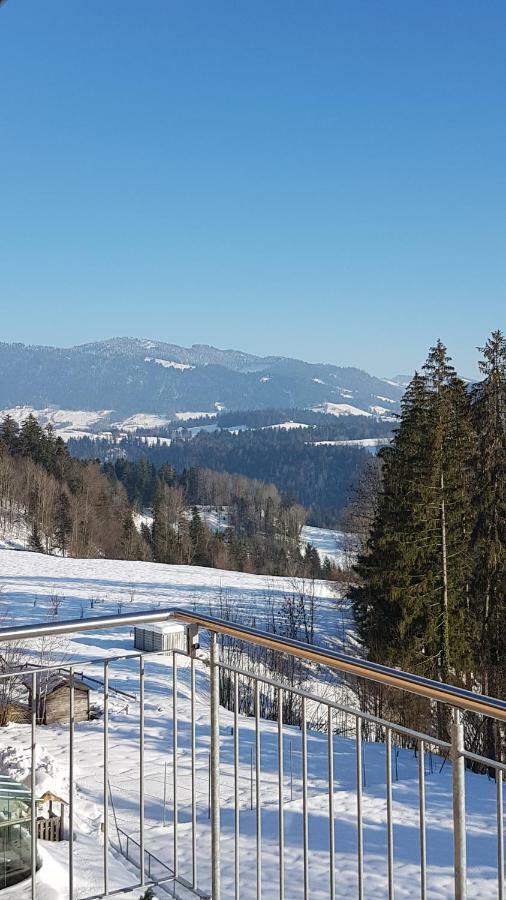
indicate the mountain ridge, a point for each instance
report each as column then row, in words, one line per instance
column 132, row 375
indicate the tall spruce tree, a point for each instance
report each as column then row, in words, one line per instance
column 413, row 592
column 489, row 534
column 451, row 446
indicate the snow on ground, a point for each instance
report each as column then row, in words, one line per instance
column 341, row 409
column 143, row 420
column 152, row 440
column 379, row 410
column 356, row 442
column 196, row 429
column 337, row 546
column 77, row 423
column 169, row 363
column 29, row 582
column 216, row 518
column 66, row 422
column 288, row 426
column 29, row 579
column 184, row 416
column 143, row 518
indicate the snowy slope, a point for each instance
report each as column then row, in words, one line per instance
column 337, row 546
column 27, row 578
column 340, row 409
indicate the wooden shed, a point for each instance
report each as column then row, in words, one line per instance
column 53, row 698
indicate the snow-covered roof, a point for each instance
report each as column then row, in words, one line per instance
column 171, row 627
column 47, row 682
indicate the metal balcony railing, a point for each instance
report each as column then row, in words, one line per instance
column 203, row 871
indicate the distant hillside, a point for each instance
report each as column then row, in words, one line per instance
column 128, row 376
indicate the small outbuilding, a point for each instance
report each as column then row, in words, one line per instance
column 165, row 637
column 53, row 698
column 50, row 823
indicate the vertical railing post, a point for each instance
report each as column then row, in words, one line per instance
column 215, row 768
column 71, row 782
column 237, row 822
column 33, row 785
column 390, row 824
column 330, row 751
column 305, row 822
column 193, row 773
column 421, row 807
column 106, row 778
column 175, row 800
column 281, row 798
column 360, row 824
column 500, row 834
column 141, row 768
column 459, row 805
column 258, row 799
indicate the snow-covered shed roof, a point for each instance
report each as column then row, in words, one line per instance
column 171, row 627
column 47, row 682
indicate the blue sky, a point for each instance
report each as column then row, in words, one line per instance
column 317, row 179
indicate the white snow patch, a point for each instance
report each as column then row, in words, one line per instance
column 288, row 426
column 66, row 422
column 184, row 416
column 169, row 363
column 340, row 409
column 152, row 440
column 143, row 518
column 337, row 546
column 142, row 420
column 358, row 442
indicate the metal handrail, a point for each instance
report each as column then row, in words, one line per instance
column 456, row 697
column 360, row 668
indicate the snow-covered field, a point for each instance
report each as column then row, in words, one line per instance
column 341, row 409
column 334, row 545
column 76, row 423
column 370, row 443
column 287, row 426
column 29, row 582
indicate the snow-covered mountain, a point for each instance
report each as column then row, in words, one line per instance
column 128, row 376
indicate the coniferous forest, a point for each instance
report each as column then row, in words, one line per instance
column 81, row 508
column 430, row 595
column 307, row 465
